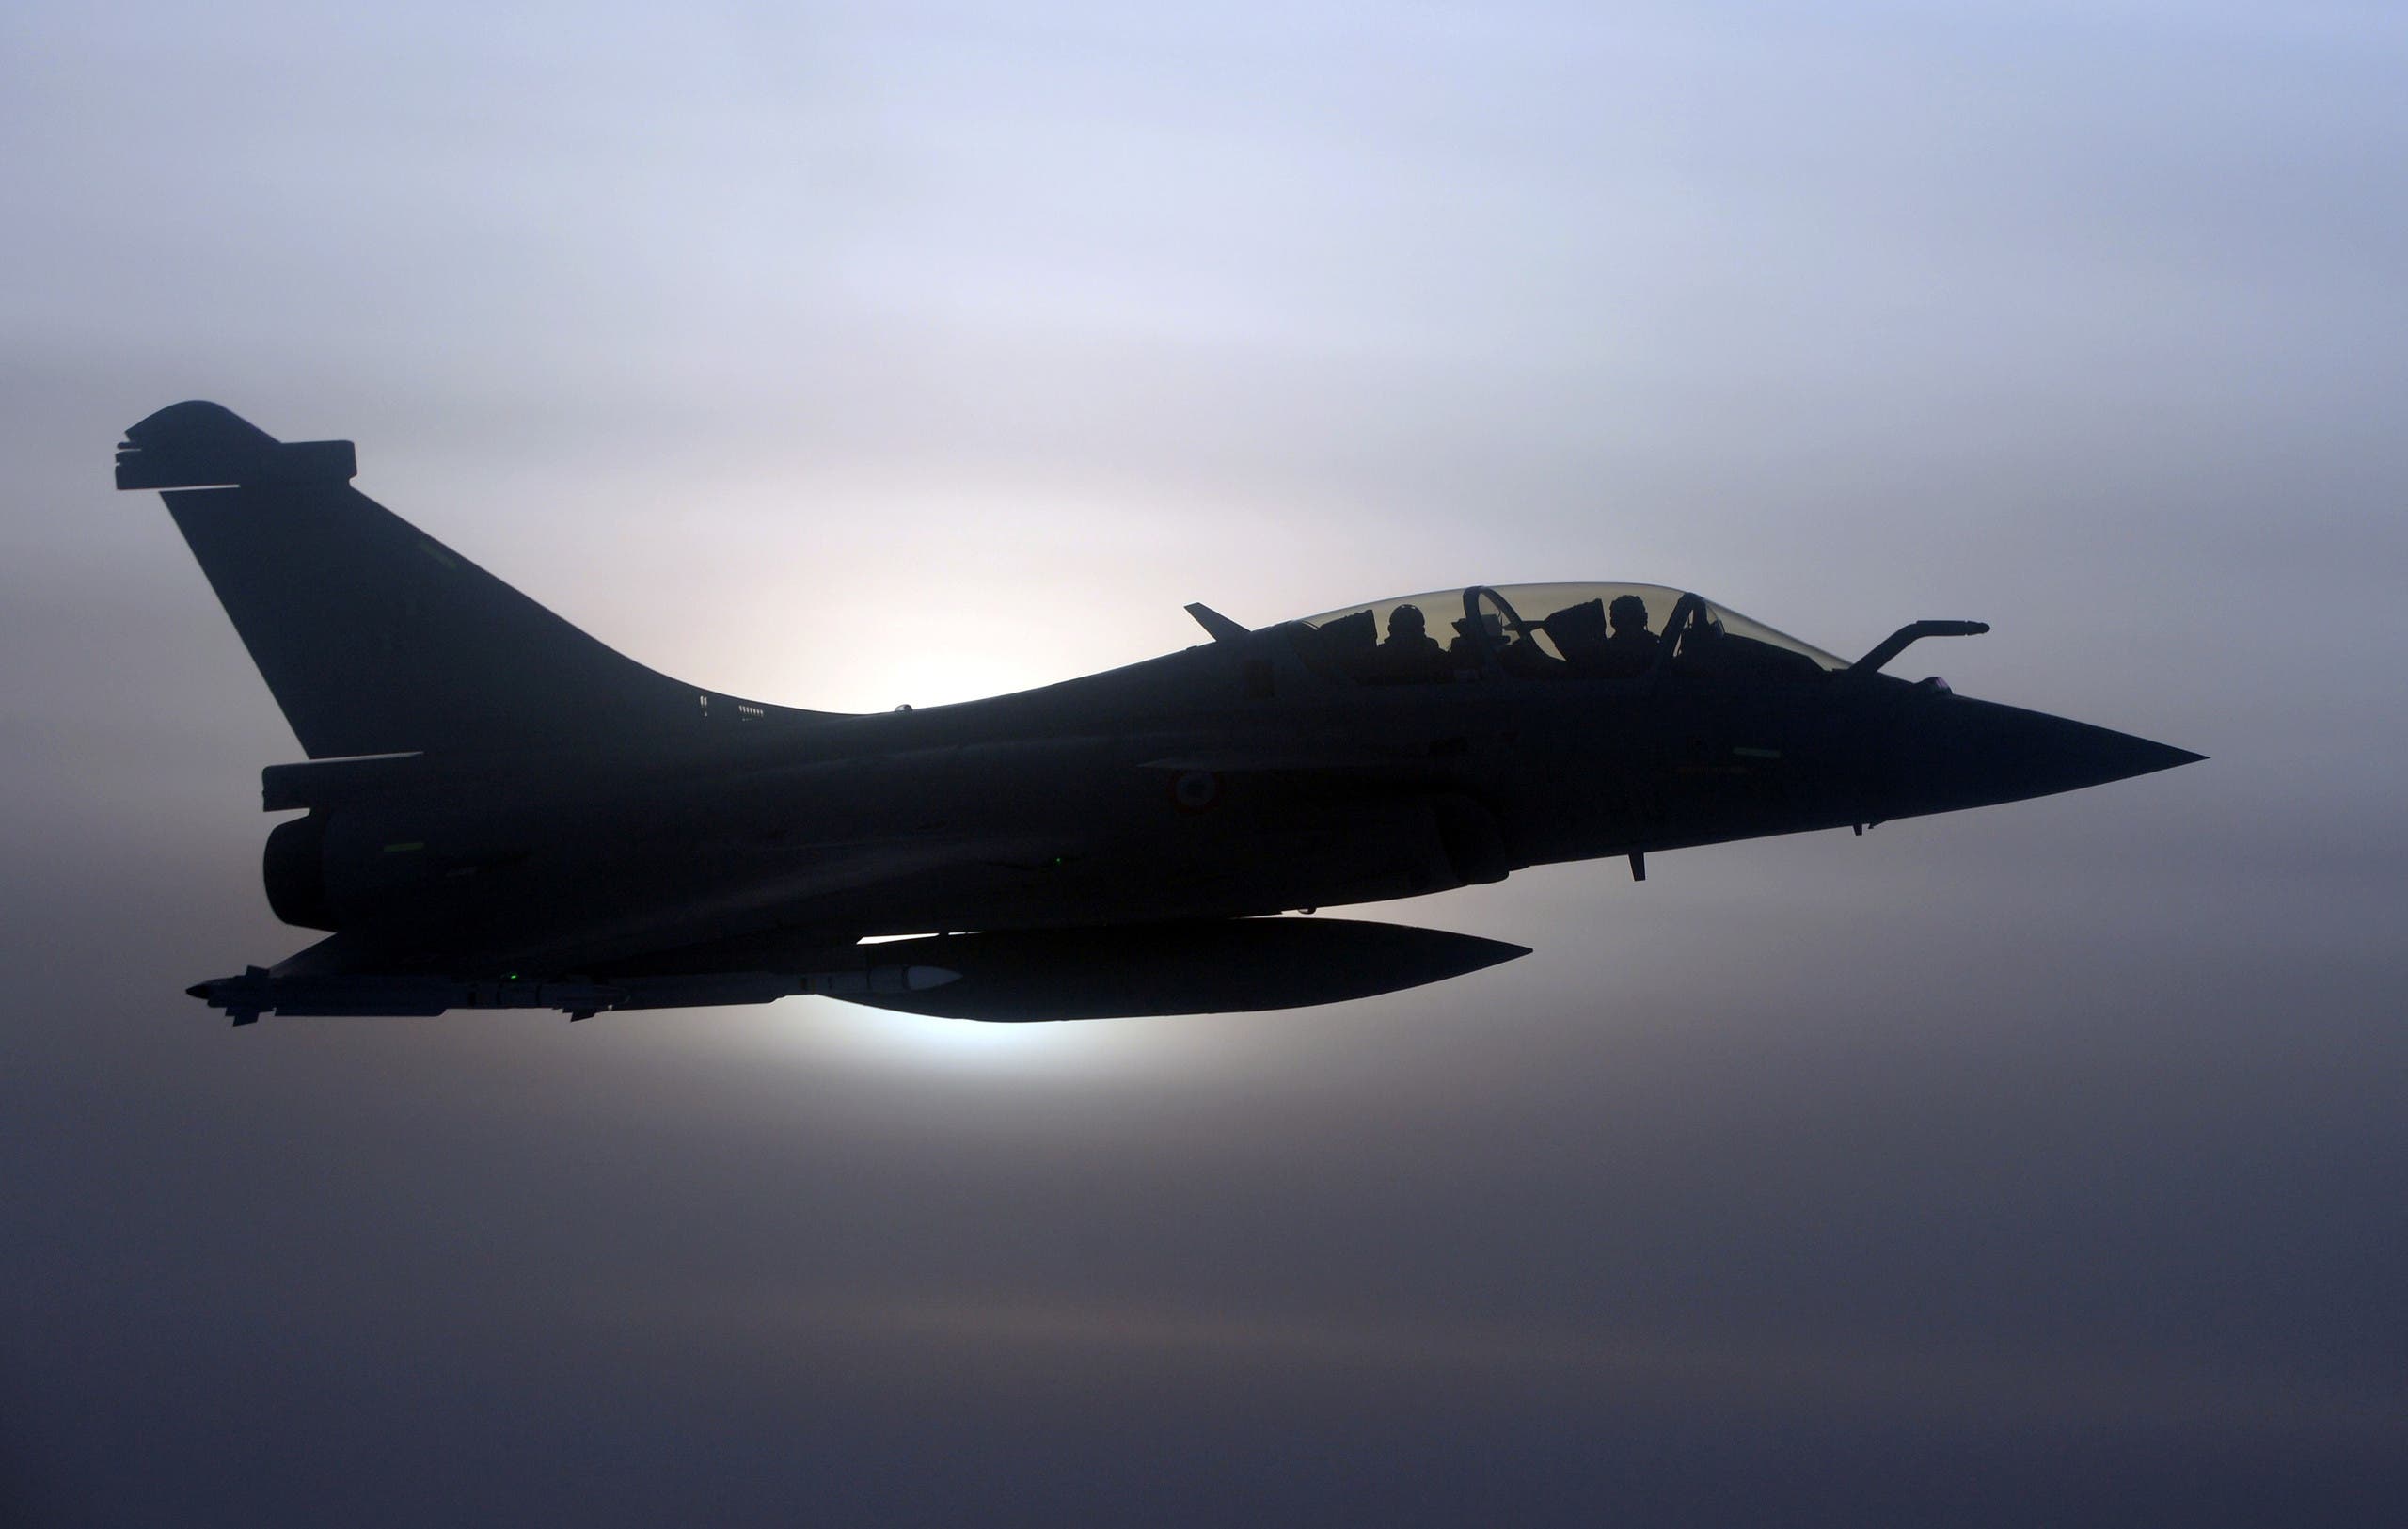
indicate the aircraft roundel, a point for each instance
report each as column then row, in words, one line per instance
column 1196, row 790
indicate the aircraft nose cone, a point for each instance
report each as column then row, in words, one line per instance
column 1975, row 753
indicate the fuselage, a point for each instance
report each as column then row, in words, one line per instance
column 1228, row 780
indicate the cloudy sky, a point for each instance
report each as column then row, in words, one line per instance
column 2039, row 1164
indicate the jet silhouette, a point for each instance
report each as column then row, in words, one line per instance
column 500, row 812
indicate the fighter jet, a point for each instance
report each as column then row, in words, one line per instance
column 497, row 811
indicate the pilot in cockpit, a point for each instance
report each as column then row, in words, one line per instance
column 1409, row 652
column 1473, row 640
column 1409, row 634
column 1630, row 648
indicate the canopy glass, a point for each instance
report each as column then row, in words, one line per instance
column 1552, row 631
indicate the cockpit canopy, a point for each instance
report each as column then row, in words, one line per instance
column 1552, row 631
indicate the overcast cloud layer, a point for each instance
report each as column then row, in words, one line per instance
column 2037, row 1165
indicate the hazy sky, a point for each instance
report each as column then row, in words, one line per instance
column 2033, row 1164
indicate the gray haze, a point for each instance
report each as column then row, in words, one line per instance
column 2039, row 1164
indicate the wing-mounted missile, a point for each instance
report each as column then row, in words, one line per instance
column 1228, row 967
column 1222, row 967
column 258, row 992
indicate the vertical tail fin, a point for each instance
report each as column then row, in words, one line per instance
column 373, row 637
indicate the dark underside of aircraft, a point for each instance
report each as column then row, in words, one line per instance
column 497, row 811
